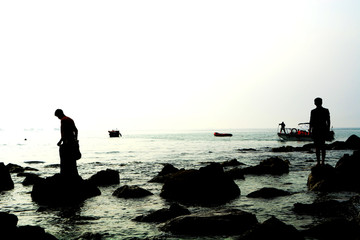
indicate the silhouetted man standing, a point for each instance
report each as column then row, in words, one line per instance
column 69, row 134
column 319, row 127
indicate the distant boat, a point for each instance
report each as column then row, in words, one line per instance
column 216, row 134
column 115, row 133
column 301, row 134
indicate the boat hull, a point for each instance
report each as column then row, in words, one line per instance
column 114, row 133
column 216, row 134
column 303, row 137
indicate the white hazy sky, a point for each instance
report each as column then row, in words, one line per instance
column 178, row 64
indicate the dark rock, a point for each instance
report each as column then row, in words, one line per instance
column 335, row 229
column 344, row 177
column 131, row 192
column 353, row 142
column 208, row 185
column 10, row 231
column 272, row 228
column 329, row 208
column 236, row 173
column 8, row 223
column 14, row 168
column 167, row 171
column 273, row 166
column 337, row 145
column 105, row 177
column 246, row 150
column 217, row 222
column 231, row 163
column 6, row 182
column 164, row 214
column 33, row 232
column 31, row 179
column 306, row 147
column 268, row 193
column 91, row 236
column 322, row 178
column 60, row 191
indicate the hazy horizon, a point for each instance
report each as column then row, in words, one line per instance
column 148, row 65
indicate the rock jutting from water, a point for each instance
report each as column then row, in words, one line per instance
column 268, row 192
column 6, row 182
column 61, row 191
column 273, row 166
column 105, row 177
column 127, row 191
column 208, row 185
column 344, row 177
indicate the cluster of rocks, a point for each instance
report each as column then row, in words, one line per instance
column 10, row 231
column 212, row 185
column 352, row 143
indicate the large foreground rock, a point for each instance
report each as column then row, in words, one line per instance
column 60, row 191
column 208, row 185
column 6, row 182
column 344, row 177
column 10, row 231
column 221, row 222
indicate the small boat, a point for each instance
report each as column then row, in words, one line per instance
column 216, row 134
column 115, row 133
column 301, row 133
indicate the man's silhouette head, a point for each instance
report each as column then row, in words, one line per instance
column 318, row 102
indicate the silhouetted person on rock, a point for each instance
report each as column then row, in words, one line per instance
column 319, row 128
column 69, row 135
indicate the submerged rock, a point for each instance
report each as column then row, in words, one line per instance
column 272, row 228
column 208, row 185
column 216, row 222
column 273, row 165
column 268, row 193
column 61, row 191
column 131, row 192
column 6, row 182
column 164, row 214
column 105, row 177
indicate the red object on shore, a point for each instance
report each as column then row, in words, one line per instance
column 216, row 134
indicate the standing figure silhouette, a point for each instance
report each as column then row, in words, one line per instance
column 319, row 128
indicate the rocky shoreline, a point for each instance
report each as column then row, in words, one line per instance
column 209, row 186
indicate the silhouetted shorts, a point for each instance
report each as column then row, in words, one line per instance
column 319, row 137
column 67, row 162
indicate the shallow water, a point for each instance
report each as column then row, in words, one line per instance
column 139, row 156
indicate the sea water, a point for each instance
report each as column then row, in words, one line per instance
column 139, row 156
